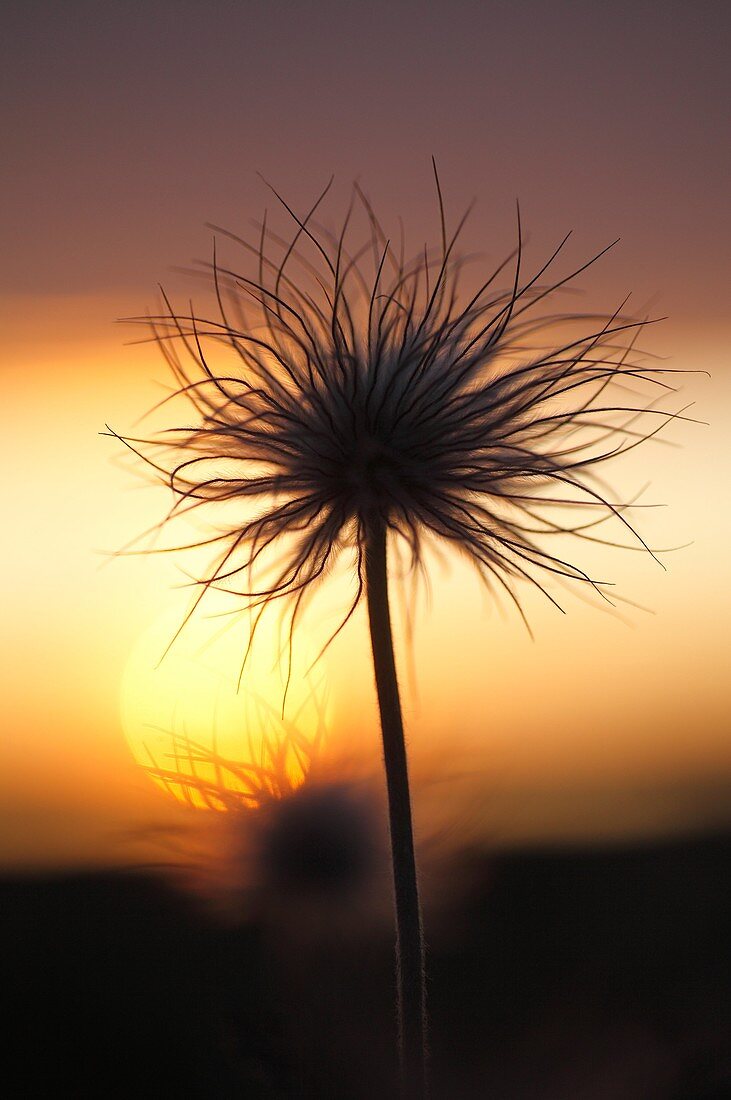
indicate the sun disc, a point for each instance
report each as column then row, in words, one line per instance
column 211, row 735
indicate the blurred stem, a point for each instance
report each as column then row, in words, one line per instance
column 409, row 937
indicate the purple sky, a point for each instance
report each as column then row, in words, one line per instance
column 129, row 125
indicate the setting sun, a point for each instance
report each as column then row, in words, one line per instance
column 407, row 326
column 211, row 732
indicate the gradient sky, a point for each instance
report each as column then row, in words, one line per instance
column 127, row 127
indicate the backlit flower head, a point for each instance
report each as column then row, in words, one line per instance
column 339, row 384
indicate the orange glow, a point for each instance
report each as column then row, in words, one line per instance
column 594, row 704
column 209, row 740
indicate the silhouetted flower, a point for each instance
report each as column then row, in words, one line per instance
column 360, row 394
column 370, row 405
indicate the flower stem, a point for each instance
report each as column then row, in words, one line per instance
column 409, row 937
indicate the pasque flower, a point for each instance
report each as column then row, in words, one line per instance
column 367, row 404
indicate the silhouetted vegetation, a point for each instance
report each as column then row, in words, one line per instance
column 588, row 974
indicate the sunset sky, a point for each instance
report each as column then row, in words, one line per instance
column 126, row 129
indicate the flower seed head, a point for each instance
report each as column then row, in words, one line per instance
column 359, row 387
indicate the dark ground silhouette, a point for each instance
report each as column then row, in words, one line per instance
column 576, row 975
